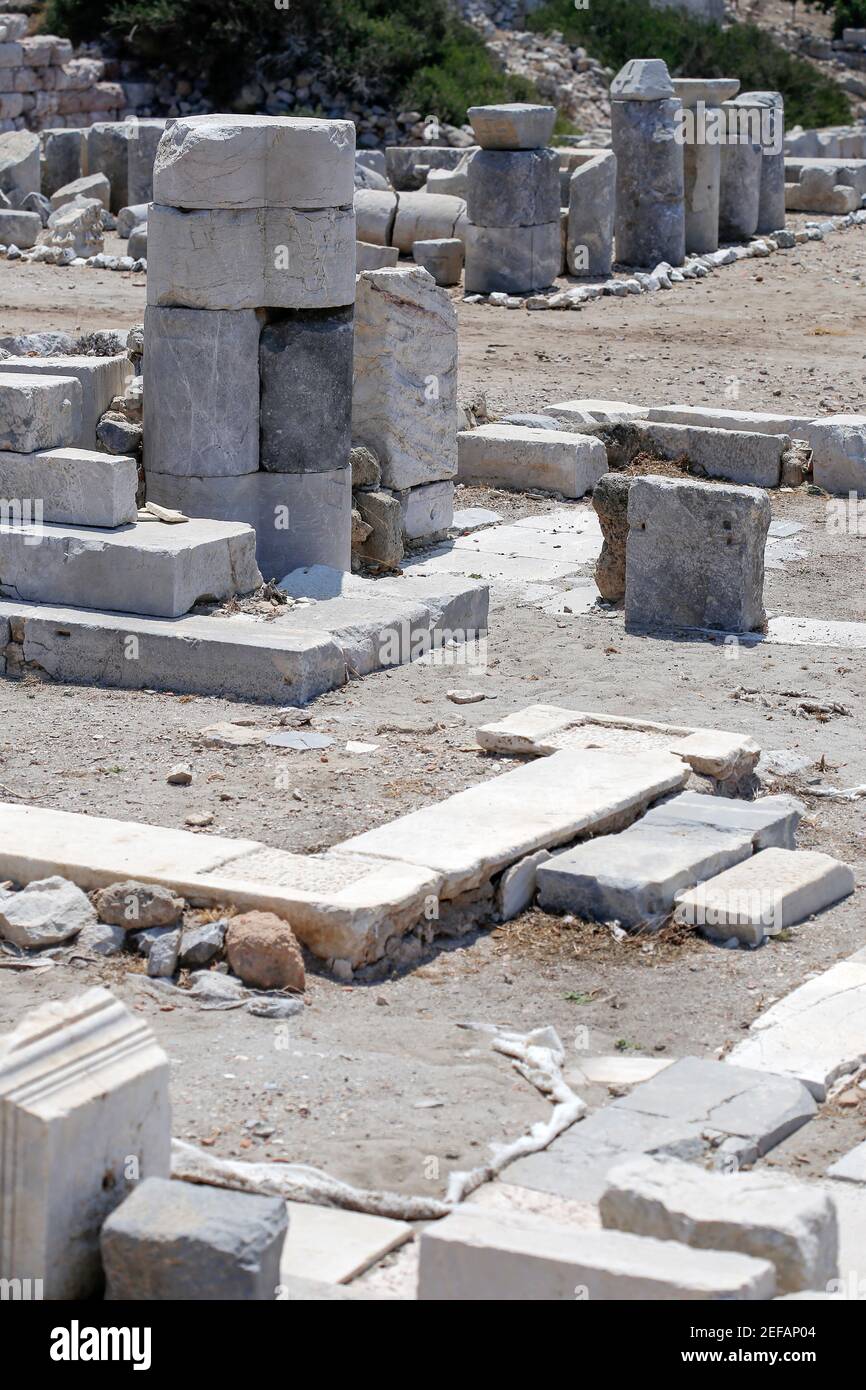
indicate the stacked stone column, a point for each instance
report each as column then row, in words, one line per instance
column 771, row 200
column 645, row 120
column 249, row 331
column 513, row 236
column 702, row 156
column 742, row 170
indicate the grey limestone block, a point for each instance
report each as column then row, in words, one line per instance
column 180, row 1241
column 201, row 391
column 650, row 188
column 512, row 188
column 305, row 366
column 695, row 555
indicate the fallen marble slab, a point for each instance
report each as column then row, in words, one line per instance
column 771, row 821
column 633, row 877
column 539, row 730
column 341, row 906
column 766, row 1215
column 691, row 1110
column 469, row 837
column 333, row 1245
column 817, row 1033
column 479, row 1255
column 775, row 889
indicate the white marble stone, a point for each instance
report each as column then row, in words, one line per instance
column 84, row 1114
column 216, row 161
column 817, row 1033
column 274, row 257
column 765, row 1215
column 404, row 400
column 473, row 834
column 497, row 1256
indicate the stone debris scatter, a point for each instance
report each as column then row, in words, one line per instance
column 271, row 490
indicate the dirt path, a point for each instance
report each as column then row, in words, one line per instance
column 378, row 1079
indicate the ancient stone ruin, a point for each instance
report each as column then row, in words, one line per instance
column 327, row 970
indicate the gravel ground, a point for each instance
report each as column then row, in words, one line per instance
column 379, row 1079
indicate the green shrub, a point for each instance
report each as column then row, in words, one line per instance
column 847, row 14
column 615, row 30
column 392, row 53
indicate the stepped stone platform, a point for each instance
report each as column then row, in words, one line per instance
column 149, row 568
column 356, row 626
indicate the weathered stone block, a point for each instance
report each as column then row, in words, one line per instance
column 100, row 378
column 500, row 1256
column 765, row 1215
column 141, row 153
column 75, row 487
column 695, row 555
column 88, row 186
column 108, row 153
column 422, row 216
column 38, row 412
column 404, row 404
column 19, row 229
column 642, row 79
column 427, row 510
column 375, row 214
column 740, row 179
column 77, row 226
column 519, row 457
column 19, row 162
column 248, row 259
column 591, row 213
column 83, row 1090
column 130, row 218
column 442, row 257
column 513, row 260
column 61, row 158
column 299, row 518
column 161, row 571
column 407, row 166
column 740, row 456
column 180, row 1241
column 839, row 454
column 512, row 125
column 771, row 200
column 382, row 512
column 771, row 821
column 776, row 889
column 511, row 188
column 201, row 398
column 610, row 501
column 371, row 257
column 634, row 877
column 305, row 367
column 650, row 187
column 255, row 162
column 817, row 1033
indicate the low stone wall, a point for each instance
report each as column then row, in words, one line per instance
column 42, row 85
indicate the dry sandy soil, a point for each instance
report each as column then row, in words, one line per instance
column 353, row 1091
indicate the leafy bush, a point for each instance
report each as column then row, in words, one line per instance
column 392, row 53
column 618, row 30
column 847, row 14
